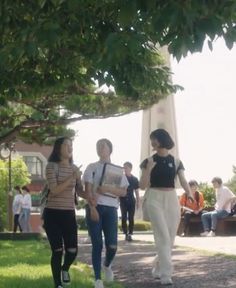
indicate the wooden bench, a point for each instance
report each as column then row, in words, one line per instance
column 226, row 226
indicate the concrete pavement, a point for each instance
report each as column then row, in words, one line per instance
column 218, row 244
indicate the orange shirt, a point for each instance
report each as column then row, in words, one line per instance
column 184, row 201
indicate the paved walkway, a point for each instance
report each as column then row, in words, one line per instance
column 193, row 268
column 217, row 244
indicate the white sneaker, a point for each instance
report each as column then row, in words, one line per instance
column 166, row 281
column 155, row 269
column 108, row 274
column 204, row 234
column 156, row 273
column 211, row 234
column 98, row 284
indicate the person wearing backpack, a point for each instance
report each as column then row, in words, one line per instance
column 191, row 208
column 64, row 180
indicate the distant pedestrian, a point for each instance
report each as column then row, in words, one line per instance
column 16, row 208
column 128, row 202
column 24, row 218
column 224, row 197
column 158, row 177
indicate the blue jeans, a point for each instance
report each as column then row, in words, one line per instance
column 108, row 222
column 24, row 220
column 209, row 219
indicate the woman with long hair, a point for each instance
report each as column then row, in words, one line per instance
column 64, row 180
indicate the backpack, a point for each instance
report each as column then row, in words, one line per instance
column 45, row 192
column 233, row 210
column 43, row 200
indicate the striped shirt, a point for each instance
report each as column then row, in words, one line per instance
column 56, row 173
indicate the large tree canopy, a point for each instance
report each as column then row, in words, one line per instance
column 56, row 55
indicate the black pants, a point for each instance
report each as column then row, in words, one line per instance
column 16, row 223
column 187, row 216
column 61, row 230
column 127, row 212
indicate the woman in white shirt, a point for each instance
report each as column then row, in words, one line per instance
column 24, row 218
column 16, row 208
column 102, row 216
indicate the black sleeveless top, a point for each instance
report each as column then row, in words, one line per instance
column 164, row 172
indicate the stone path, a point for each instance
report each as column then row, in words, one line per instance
column 193, row 269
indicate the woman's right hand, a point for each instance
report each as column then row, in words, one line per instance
column 94, row 214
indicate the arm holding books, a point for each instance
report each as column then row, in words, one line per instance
column 116, row 191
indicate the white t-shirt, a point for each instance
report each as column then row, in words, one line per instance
column 27, row 204
column 17, row 204
column 223, row 194
column 93, row 174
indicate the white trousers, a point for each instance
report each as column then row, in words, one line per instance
column 164, row 213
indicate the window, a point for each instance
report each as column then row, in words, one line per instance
column 35, row 165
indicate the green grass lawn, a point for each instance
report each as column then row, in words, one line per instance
column 25, row 264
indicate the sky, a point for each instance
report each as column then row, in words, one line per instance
column 205, row 117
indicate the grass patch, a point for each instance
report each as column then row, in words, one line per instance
column 25, row 264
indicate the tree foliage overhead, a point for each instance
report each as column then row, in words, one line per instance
column 56, row 55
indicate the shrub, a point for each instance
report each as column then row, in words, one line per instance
column 139, row 225
column 208, row 194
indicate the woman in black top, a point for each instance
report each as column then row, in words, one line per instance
column 158, row 177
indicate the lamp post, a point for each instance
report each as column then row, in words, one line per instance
column 6, row 153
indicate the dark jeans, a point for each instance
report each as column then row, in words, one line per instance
column 107, row 224
column 187, row 216
column 61, row 228
column 127, row 212
column 16, row 223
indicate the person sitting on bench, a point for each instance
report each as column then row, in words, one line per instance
column 191, row 209
column 224, row 197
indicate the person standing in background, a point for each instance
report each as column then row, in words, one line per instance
column 16, row 208
column 127, row 203
column 24, row 218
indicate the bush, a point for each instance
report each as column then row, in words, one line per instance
column 139, row 225
column 208, row 194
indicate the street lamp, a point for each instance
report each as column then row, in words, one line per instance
column 6, row 150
